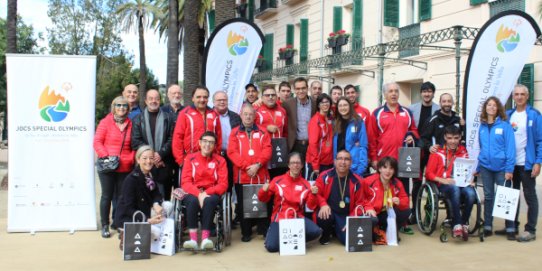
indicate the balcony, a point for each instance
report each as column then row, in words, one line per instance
column 406, row 32
column 291, row 2
column 266, row 9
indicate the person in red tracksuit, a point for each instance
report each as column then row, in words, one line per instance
column 320, row 150
column 290, row 192
column 249, row 149
column 205, row 179
column 336, row 202
column 192, row 122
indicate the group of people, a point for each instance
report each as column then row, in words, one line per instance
column 342, row 158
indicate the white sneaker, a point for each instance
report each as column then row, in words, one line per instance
column 190, row 244
column 207, row 244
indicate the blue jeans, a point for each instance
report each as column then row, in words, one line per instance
column 523, row 178
column 491, row 179
column 334, row 222
column 272, row 241
column 454, row 194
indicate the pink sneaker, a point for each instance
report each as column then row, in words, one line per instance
column 457, row 231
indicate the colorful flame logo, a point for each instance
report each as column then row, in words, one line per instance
column 507, row 39
column 237, row 44
column 54, row 107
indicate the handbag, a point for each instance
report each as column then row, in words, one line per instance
column 292, row 235
column 358, row 232
column 506, row 202
column 110, row 163
column 137, row 239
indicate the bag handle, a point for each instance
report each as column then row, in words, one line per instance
column 286, row 213
column 142, row 215
column 356, row 210
column 253, row 178
column 123, row 138
column 312, row 175
column 406, row 144
column 504, row 184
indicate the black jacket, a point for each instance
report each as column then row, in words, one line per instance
column 435, row 128
column 139, row 136
column 235, row 119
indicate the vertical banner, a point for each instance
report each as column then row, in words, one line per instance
column 496, row 59
column 229, row 59
column 51, row 102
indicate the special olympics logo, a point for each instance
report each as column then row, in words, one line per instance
column 237, row 44
column 54, row 107
column 507, row 39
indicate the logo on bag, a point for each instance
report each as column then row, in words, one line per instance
column 53, row 104
column 237, row 44
column 507, row 39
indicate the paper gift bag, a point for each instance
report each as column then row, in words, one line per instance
column 292, row 236
column 252, row 207
column 137, row 239
column 359, row 233
column 391, row 231
column 164, row 242
column 409, row 162
column 279, row 157
column 506, row 202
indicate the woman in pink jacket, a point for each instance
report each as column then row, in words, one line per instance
column 113, row 139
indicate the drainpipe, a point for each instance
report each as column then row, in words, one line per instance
column 458, row 36
column 381, row 51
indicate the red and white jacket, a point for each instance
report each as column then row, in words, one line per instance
column 204, row 174
column 272, row 116
column 191, row 124
column 108, row 140
column 441, row 163
column 245, row 150
column 289, row 193
column 363, row 112
column 360, row 194
column 387, row 131
column 397, row 190
column 320, row 149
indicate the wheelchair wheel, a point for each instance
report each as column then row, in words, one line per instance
column 475, row 220
column 427, row 208
column 178, row 218
column 226, row 211
column 219, row 244
column 443, row 237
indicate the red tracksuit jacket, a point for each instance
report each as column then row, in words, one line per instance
column 320, row 149
column 397, row 189
column 363, row 112
column 239, row 152
column 108, row 140
column 208, row 174
column 191, row 124
column 437, row 161
column 272, row 116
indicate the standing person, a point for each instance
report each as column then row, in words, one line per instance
column 154, row 127
column 290, row 192
column 285, row 92
column 113, row 139
column 251, row 94
column 299, row 111
column 527, row 125
column 350, row 134
column 352, row 93
column 174, row 95
column 205, row 179
column 336, row 202
column 272, row 117
column 193, row 121
column 316, row 89
column 249, row 150
column 432, row 135
column 320, row 150
column 130, row 93
column 497, row 158
column 336, row 93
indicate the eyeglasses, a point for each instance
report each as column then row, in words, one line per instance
column 149, row 182
column 121, row 105
column 270, row 95
column 324, row 102
column 295, row 163
column 207, row 142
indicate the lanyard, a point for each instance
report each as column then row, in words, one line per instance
column 273, row 117
column 446, row 162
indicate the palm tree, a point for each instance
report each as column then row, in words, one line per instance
column 12, row 27
column 224, row 10
column 139, row 13
column 192, row 58
column 173, row 43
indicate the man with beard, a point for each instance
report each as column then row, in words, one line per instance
column 316, row 89
column 174, row 95
column 433, row 134
column 352, row 93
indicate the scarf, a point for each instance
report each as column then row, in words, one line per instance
column 158, row 131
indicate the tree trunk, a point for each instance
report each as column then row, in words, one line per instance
column 173, row 44
column 142, row 64
column 12, row 27
column 224, row 10
column 192, row 59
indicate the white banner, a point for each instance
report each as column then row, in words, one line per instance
column 51, row 102
column 230, row 58
column 495, row 63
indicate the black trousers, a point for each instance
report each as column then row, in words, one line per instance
column 111, row 184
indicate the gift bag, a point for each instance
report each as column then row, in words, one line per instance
column 409, row 162
column 279, row 158
column 359, row 233
column 292, row 235
column 506, row 202
column 391, row 231
column 252, row 206
column 164, row 242
column 137, row 239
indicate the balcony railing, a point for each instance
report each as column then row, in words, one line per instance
column 266, row 9
column 410, row 31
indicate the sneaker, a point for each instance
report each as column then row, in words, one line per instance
column 457, row 231
column 105, row 231
column 190, row 244
column 526, row 237
column 465, row 232
column 503, row 232
column 246, row 238
column 207, row 244
column 511, row 236
column 487, row 233
column 324, row 240
column 406, row 230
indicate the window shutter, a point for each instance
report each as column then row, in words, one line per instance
column 304, row 40
column 527, row 78
column 425, row 10
column 391, row 13
column 337, row 18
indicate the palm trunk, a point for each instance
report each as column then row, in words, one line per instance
column 142, row 64
column 173, row 44
column 224, row 10
column 12, row 27
column 191, row 62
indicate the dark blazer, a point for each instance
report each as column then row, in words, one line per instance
column 290, row 106
column 235, row 119
column 139, row 135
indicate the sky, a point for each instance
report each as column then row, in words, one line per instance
column 34, row 12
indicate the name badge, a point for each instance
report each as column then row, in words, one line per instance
column 353, row 129
column 211, row 165
column 402, row 114
column 256, row 135
column 498, row 131
column 298, row 188
column 278, row 113
column 530, row 123
column 210, row 116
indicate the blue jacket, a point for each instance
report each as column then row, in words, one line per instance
column 533, row 150
column 497, row 146
column 355, row 133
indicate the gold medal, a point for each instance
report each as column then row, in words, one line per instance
column 342, row 204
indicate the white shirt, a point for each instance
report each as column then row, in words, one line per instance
column 518, row 120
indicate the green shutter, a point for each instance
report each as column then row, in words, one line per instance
column 304, row 40
column 391, row 13
column 337, row 18
column 526, row 78
column 251, row 10
column 477, row 2
column 424, row 10
column 268, row 52
column 357, row 31
column 211, row 21
column 290, row 34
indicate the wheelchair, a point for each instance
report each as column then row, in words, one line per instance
column 428, row 205
column 222, row 222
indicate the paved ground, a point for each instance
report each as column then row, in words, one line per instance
column 88, row 251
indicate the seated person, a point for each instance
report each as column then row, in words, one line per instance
column 440, row 169
column 139, row 193
column 204, row 179
column 336, row 202
column 290, row 192
column 388, row 193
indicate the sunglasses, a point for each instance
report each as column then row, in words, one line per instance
column 270, row 95
column 121, row 105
